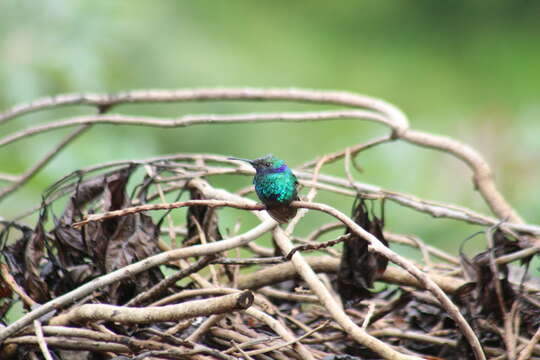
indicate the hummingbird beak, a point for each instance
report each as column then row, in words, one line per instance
column 240, row 159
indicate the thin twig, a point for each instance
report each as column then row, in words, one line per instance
column 72, row 344
column 204, row 327
column 310, row 196
column 415, row 241
column 353, row 150
column 414, row 336
column 169, row 281
column 248, row 261
column 10, row 281
column 279, row 346
column 242, row 352
column 41, row 341
column 527, row 352
column 168, row 206
column 188, row 120
column 518, row 255
column 367, row 318
column 8, row 177
column 23, row 179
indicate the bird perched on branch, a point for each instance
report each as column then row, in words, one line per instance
column 275, row 185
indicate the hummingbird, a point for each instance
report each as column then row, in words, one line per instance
column 275, row 185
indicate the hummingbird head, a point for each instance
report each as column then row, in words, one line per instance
column 266, row 164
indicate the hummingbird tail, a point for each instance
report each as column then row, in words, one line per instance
column 282, row 214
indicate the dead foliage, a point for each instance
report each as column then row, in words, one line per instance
column 359, row 266
column 55, row 258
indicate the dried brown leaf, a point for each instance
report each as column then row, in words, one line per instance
column 359, row 267
column 33, row 254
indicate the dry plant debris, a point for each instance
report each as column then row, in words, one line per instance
column 111, row 271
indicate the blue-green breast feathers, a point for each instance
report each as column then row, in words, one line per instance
column 276, row 187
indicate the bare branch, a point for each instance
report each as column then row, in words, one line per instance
column 10, row 281
column 148, row 96
column 41, row 341
column 150, row 314
column 169, row 206
column 23, row 179
column 72, row 344
column 189, row 120
column 529, row 348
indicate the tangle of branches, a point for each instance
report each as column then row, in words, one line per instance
column 136, row 262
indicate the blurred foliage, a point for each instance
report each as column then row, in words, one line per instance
column 467, row 69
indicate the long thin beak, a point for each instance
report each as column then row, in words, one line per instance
column 240, row 159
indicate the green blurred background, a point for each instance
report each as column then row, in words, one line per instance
column 466, row 69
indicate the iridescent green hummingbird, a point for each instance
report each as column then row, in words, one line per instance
column 275, row 185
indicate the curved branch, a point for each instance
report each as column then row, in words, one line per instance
column 188, row 120
column 23, row 179
column 285, row 271
column 152, row 96
column 483, row 177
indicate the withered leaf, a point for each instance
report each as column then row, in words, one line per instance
column 121, row 241
column 82, row 254
column 99, row 234
column 33, row 254
column 76, row 260
column 14, row 256
column 135, row 239
column 359, row 267
column 479, row 270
